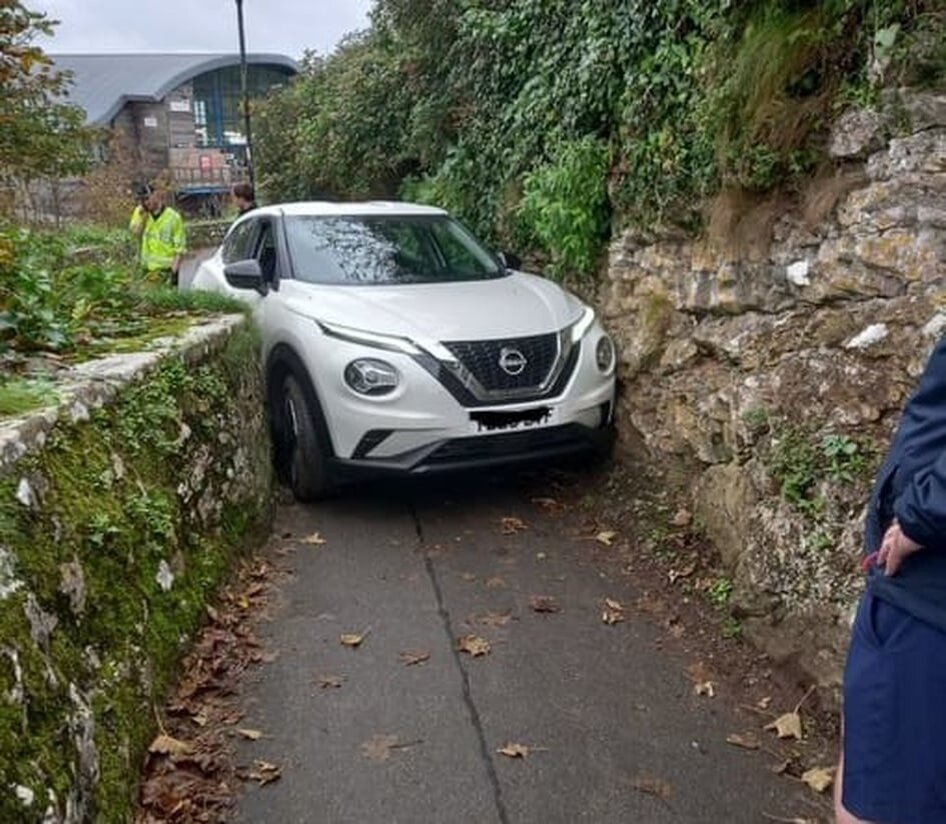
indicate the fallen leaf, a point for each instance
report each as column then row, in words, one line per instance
column 379, row 748
column 606, row 537
column 252, row 735
column 763, row 703
column 781, row 767
column 265, row 773
column 676, row 574
column 511, row 525
column 315, row 539
column 516, row 750
column 787, row 726
column 682, row 518
column 166, row 745
column 353, row 639
column 411, row 657
column 473, row 644
column 495, row 583
column 329, row 681
column 747, row 741
column 543, row 603
column 707, row 688
column 468, row 576
column 612, row 612
column 699, row 673
column 651, row 786
column 819, row 778
column 494, row 619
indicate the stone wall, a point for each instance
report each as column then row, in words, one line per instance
column 770, row 365
column 121, row 512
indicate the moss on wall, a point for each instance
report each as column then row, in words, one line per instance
column 112, row 538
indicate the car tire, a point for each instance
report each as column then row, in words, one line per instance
column 302, row 454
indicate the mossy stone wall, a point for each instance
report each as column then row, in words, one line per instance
column 120, row 514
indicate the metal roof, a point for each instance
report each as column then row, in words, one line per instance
column 103, row 83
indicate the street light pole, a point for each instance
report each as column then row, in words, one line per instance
column 244, row 94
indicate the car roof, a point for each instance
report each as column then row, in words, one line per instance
column 329, row 208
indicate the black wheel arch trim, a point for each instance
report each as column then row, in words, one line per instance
column 285, row 360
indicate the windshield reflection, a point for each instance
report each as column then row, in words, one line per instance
column 397, row 249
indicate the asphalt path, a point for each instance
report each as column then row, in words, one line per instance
column 613, row 728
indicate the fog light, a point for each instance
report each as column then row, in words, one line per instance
column 368, row 376
column 604, row 354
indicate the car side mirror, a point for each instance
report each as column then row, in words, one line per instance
column 510, row 261
column 245, row 274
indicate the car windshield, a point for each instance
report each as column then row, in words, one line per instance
column 386, row 249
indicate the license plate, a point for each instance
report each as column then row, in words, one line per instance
column 493, row 421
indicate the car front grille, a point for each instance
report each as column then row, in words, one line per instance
column 483, row 358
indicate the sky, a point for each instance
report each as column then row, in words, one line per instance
column 281, row 26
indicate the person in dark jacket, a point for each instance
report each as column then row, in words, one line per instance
column 893, row 761
column 244, row 198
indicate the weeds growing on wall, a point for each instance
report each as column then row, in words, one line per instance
column 503, row 113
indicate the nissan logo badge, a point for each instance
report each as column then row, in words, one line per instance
column 512, row 361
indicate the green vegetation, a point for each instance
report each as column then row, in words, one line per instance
column 544, row 123
column 122, row 501
column 800, row 462
column 41, row 135
column 75, row 291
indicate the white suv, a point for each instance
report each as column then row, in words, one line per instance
column 394, row 342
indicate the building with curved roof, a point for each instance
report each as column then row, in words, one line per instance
column 180, row 114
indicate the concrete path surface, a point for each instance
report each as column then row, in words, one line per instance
column 613, row 727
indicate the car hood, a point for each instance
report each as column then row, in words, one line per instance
column 518, row 305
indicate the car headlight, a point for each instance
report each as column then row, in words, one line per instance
column 368, row 376
column 604, row 354
column 392, row 343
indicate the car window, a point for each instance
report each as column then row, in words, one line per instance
column 266, row 251
column 370, row 249
column 236, row 245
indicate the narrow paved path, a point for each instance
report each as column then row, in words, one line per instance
column 618, row 734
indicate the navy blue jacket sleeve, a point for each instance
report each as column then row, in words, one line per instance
column 921, row 506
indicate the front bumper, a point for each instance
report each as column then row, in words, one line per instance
column 520, row 448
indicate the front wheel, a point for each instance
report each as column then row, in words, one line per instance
column 302, row 455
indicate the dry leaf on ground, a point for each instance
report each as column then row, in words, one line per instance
column 264, row 772
column 166, row 745
column 511, row 525
column 512, row 750
column 473, row 644
column 326, row 682
column 468, row 576
column 682, row 518
column 606, row 537
column 410, row 657
column 251, row 735
column 787, row 726
column 748, row 740
column 379, row 748
column 684, row 572
column 651, row 786
column 612, row 611
column 495, row 583
column 819, row 778
column 707, row 688
column 352, row 639
column 315, row 539
column 543, row 603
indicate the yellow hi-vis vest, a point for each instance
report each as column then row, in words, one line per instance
column 162, row 239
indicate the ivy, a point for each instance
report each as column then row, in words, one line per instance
column 542, row 123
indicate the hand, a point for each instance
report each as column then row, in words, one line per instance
column 894, row 548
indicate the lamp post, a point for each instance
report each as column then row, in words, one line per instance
column 244, row 94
